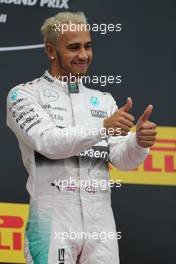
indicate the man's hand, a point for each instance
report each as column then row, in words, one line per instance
column 146, row 130
column 120, row 120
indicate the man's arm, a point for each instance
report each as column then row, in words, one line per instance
column 35, row 128
column 125, row 153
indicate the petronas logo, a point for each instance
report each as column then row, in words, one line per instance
column 73, row 87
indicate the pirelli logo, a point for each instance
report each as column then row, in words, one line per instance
column 159, row 168
column 98, row 113
column 13, row 219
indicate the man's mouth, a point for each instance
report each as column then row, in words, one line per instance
column 81, row 64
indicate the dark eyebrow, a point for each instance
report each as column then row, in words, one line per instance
column 76, row 44
column 89, row 43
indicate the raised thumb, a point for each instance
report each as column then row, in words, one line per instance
column 146, row 113
column 126, row 107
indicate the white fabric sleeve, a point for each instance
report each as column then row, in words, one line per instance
column 124, row 151
column 32, row 125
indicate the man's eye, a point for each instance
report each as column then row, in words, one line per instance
column 88, row 46
column 74, row 48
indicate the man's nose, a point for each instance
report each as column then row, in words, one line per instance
column 83, row 54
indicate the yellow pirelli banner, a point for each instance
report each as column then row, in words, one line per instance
column 159, row 168
column 13, row 219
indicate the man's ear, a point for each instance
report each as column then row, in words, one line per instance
column 50, row 51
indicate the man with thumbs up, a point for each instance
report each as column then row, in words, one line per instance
column 59, row 128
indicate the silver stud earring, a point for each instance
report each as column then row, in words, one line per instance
column 52, row 58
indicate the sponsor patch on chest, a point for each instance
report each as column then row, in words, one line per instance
column 98, row 113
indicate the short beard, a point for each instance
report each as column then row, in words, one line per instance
column 61, row 66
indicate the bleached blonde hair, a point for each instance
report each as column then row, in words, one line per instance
column 61, row 18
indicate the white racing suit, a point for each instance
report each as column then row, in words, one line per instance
column 60, row 134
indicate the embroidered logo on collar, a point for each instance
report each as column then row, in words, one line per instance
column 94, row 101
column 47, row 78
column 73, row 87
